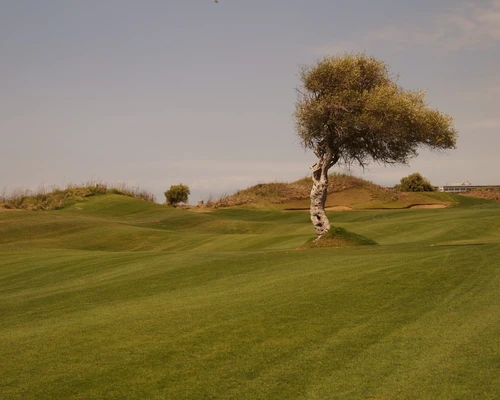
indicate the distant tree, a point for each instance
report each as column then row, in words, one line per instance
column 414, row 183
column 349, row 110
column 177, row 194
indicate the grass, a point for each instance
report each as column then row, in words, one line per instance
column 338, row 237
column 344, row 190
column 118, row 298
column 57, row 198
column 484, row 193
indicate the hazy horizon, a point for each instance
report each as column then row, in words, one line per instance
column 159, row 93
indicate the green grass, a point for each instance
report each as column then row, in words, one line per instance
column 343, row 190
column 117, row 298
column 58, row 199
column 338, row 237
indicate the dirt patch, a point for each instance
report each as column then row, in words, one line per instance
column 201, row 209
column 331, row 208
column 339, row 208
column 428, row 206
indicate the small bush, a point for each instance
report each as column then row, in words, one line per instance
column 177, row 194
column 414, row 183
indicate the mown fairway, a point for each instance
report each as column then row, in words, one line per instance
column 117, row 298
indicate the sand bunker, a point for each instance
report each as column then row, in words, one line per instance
column 338, row 208
column 428, row 206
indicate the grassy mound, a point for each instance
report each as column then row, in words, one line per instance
column 58, row 199
column 289, row 192
column 338, row 237
column 343, row 191
column 487, row 193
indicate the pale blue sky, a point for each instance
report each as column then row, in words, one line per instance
column 154, row 93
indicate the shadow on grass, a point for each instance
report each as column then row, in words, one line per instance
column 338, row 237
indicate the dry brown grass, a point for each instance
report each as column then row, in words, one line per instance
column 344, row 192
column 56, row 198
column 489, row 194
column 296, row 194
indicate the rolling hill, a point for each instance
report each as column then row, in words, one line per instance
column 344, row 192
column 115, row 297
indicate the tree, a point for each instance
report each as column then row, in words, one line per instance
column 350, row 110
column 414, row 183
column 177, row 194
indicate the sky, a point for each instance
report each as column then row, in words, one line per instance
column 153, row 93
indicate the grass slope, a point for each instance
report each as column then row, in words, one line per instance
column 118, row 298
column 338, row 237
column 57, row 198
column 343, row 190
column 486, row 193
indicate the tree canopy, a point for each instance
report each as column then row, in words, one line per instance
column 177, row 194
column 351, row 105
column 350, row 110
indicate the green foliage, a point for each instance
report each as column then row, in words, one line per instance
column 414, row 183
column 177, row 194
column 350, row 107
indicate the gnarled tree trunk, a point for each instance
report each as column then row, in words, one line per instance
column 319, row 192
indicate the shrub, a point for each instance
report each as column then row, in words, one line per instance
column 177, row 194
column 414, row 183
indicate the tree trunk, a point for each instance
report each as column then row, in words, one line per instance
column 319, row 193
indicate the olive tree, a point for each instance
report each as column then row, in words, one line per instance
column 350, row 110
column 177, row 194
